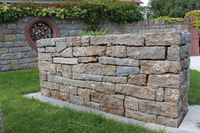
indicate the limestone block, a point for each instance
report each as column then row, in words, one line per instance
column 173, row 53
column 162, row 39
column 131, row 103
column 140, row 116
column 125, row 71
column 50, row 49
column 15, row 64
column 118, row 61
column 50, row 86
column 146, row 52
column 84, row 93
column 98, row 69
column 60, row 46
column 172, row 95
column 67, row 71
column 169, row 121
column 140, row 79
column 67, row 52
column 73, row 41
column 160, row 94
column 79, row 68
column 46, row 66
column 76, row 100
column 9, row 37
column 69, row 89
column 88, row 77
column 166, row 80
column 136, row 91
column 64, row 96
column 116, row 51
column 117, row 80
column 99, row 40
column 161, row 108
column 160, row 67
column 58, row 79
column 89, row 51
column 87, row 59
column 43, row 76
column 45, row 57
column 69, row 61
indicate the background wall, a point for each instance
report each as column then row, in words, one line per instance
column 15, row 52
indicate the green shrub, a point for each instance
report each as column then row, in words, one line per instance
column 169, row 20
column 89, row 11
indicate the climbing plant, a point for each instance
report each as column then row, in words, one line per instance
column 89, row 11
column 195, row 15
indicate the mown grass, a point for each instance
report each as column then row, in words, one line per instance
column 194, row 98
column 22, row 115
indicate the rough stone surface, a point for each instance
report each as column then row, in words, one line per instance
column 119, row 74
column 146, row 52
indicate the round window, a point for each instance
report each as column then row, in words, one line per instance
column 40, row 28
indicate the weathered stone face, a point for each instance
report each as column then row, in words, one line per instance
column 145, row 77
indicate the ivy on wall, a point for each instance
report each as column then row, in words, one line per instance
column 196, row 16
column 90, row 12
column 169, row 20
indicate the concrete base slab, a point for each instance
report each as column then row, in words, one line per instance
column 189, row 124
column 195, row 63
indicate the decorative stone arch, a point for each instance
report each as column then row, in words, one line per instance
column 46, row 21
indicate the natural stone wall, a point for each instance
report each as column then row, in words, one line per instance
column 16, row 53
column 145, row 77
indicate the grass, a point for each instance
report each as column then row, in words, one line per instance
column 22, row 115
column 194, row 98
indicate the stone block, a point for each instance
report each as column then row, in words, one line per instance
column 55, row 94
column 140, row 116
column 79, row 68
column 169, row 121
column 10, row 56
column 88, row 77
column 116, row 51
column 159, row 108
column 172, row 95
column 166, row 80
column 50, row 86
column 45, row 92
column 173, row 53
column 89, row 51
column 76, row 100
column 69, row 61
column 126, row 71
column 84, row 93
column 58, row 79
column 64, row 96
column 160, row 94
column 9, row 37
column 50, row 49
column 117, row 80
column 99, row 40
column 3, row 50
column 140, row 79
column 73, row 41
column 128, row 39
column 46, row 66
column 87, row 59
column 146, row 52
column 118, row 61
column 136, row 91
column 98, row 69
column 60, row 46
column 109, row 108
column 159, row 67
column 69, row 89
column 15, row 64
column 67, row 71
column 131, row 103
column 43, row 76
column 162, row 39
column 45, row 57
column 67, row 52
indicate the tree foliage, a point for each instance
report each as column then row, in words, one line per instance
column 173, row 8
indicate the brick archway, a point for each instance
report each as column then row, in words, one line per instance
column 47, row 21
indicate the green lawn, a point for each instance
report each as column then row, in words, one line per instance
column 194, row 98
column 22, row 115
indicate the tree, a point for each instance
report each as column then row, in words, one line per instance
column 173, row 8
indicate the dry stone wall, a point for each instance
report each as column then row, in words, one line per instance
column 145, row 77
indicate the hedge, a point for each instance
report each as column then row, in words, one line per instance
column 90, row 12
